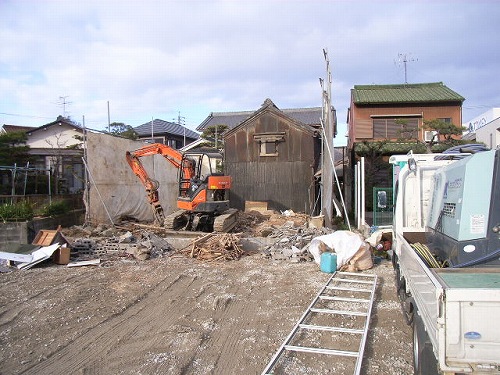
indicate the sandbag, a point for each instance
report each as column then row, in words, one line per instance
column 342, row 242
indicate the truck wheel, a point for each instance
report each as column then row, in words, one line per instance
column 394, row 260
column 424, row 361
column 406, row 301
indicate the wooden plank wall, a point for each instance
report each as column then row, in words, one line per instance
column 284, row 181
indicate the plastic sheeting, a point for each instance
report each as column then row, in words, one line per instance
column 344, row 243
column 115, row 191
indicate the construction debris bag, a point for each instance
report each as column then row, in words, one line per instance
column 342, row 242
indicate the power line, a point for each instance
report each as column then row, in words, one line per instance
column 29, row 116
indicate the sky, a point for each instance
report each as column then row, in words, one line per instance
column 187, row 58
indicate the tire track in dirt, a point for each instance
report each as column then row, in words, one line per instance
column 235, row 317
column 88, row 352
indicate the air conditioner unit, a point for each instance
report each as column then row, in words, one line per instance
column 429, row 135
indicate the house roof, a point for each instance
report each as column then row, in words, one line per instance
column 307, row 116
column 404, row 93
column 16, row 128
column 164, row 127
column 60, row 120
column 269, row 106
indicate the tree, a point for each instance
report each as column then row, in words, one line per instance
column 13, row 148
column 13, row 151
column 213, row 135
column 443, row 132
column 119, row 128
column 407, row 133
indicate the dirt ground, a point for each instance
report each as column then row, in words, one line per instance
column 177, row 315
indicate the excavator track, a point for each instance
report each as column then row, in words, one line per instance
column 226, row 221
column 176, row 220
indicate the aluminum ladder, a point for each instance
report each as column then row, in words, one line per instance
column 340, row 315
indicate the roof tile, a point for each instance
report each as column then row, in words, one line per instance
column 307, row 116
column 404, row 93
column 163, row 127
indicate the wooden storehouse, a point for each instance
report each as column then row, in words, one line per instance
column 273, row 158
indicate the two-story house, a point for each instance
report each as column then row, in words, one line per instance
column 387, row 112
column 380, row 114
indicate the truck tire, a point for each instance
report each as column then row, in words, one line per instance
column 424, row 360
column 406, row 300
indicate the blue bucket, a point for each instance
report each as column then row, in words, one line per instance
column 328, row 262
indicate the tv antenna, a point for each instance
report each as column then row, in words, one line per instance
column 404, row 59
column 64, row 103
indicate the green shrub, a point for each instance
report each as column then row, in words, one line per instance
column 16, row 211
column 55, row 208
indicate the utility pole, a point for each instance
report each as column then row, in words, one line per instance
column 109, row 120
column 181, row 121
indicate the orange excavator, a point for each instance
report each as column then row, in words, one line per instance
column 203, row 197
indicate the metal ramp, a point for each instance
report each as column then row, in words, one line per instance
column 334, row 325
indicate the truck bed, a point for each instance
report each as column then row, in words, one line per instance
column 457, row 306
column 468, row 277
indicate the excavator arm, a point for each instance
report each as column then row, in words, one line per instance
column 172, row 155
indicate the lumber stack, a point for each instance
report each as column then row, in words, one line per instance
column 215, row 247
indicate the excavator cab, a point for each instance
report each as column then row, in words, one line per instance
column 202, row 184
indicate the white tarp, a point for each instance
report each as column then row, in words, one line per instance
column 116, row 189
column 344, row 243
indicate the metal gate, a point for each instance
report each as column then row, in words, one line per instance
column 382, row 206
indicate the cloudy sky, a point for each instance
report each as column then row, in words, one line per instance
column 156, row 59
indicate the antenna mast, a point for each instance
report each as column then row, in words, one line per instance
column 63, row 103
column 404, row 59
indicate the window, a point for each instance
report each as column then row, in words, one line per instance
column 172, row 143
column 268, row 143
column 446, row 120
column 155, row 140
column 391, row 128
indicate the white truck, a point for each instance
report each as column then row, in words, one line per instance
column 446, row 253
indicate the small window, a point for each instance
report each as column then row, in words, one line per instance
column 446, row 120
column 268, row 143
column 154, row 140
column 268, row 148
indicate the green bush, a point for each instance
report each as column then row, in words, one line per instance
column 16, row 211
column 55, row 208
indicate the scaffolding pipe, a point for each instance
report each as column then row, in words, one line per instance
column 357, row 195
column 26, row 177
column 362, row 179
column 335, row 174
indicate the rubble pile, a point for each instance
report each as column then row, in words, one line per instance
column 148, row 246
column 248, row 220
column 215, row 247
column 292, row 241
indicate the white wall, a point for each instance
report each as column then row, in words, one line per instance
column 482, row 120
column 53, row 137
column 489, row 135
